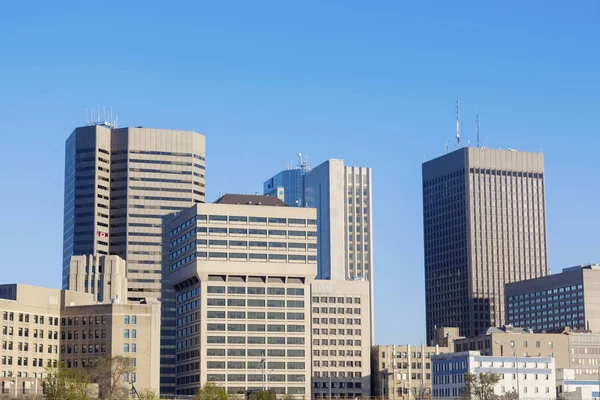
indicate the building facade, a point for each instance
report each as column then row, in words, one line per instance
column 119, row 184
column 529, row 377
column 404, row 371
column 568, row 299
column 93, row 331
column 341, row 339
column 30, row 334
column 484, row 226
column 103, row 276
column 507, row 340
column 242, row 269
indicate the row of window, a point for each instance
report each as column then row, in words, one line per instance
column 254, row 315
column 255, row 378
column 275, row 233
column 271, row 365
column 338, row 321
column 337, row 342
column 215, row 327
column 333, row 331
column 324, row 299
column 234, row 302
column 35, row 333
column 243, row 220
column 333, row 310
column 337, row 374
column 274, row 291
column 243, row 257
column 337, row 353
column 243, row 244
column 335, row 363
column 24, row 361
column 23, row 317
column 549, row 306
column 242, row 353
column 291, row 340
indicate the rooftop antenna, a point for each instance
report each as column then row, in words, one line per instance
column 477, row 125
column 446, row 147
column 299, row 160
column 458, row 124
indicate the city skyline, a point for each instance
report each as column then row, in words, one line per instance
column 381, row 95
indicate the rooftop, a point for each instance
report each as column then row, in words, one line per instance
column 250, row 199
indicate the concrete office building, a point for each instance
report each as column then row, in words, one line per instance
column 342, row 197
column 404, row 371
column 484, row 226
column 41, row 326
column 103, row 276
column 507, row 340
column 531, row 378
column 568, row 299
column 30, row 334
column 341, row 339
column 93, row 331
column 288, row 185
column 119, row 184
column 242, row 269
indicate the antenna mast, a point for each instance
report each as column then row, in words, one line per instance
column 458, row 124
column 477, row 125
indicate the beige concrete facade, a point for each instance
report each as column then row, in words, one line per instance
column 403, row 371
column 30, row 334
column 341, row 338
column 500, row 342
column 242, row 274
column 484, row 219
column 41, row 326
column 89, row 332
column 119, row 183
column 103, row 276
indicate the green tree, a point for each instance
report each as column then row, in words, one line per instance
column 263, row 395
column 480, row 386
column 211, row 391
column 63, row 383
column 109, row 373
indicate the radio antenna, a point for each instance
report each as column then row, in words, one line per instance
column 477, row 125
column 458, row 124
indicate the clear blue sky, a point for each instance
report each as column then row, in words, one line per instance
column 373, row 83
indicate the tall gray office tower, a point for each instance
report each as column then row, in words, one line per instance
column 119, row 184
column 484, row 218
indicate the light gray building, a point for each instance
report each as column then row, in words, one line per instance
column 484, row 225
column 551, row 303
column 119, row 185
column 242, row 269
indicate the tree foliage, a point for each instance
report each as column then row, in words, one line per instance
column 147, row 394
column 63, row 383
column 263, row 395
column 109, row 373
column 480, row 386
column 211, row 391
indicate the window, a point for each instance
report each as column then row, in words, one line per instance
column 126, row 334
column 126, row 348
column 126, row 319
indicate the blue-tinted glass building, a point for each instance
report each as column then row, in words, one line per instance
column 288, row 185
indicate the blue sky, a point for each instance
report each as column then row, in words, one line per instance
column 373, row 83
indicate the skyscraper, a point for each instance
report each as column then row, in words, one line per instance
column 342, row 197
column 242, row 269
column 484, row 225
column 119, row 185
column 288, row 185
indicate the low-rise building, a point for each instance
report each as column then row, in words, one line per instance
column 553, row 302
column 42, row 326
column 507, row 340
column 529, row 377
column 341, row 338
column 403, row 371
column 569, row 387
